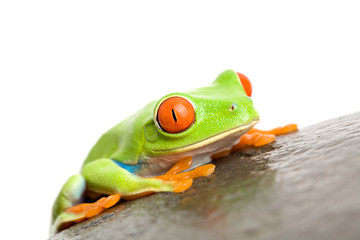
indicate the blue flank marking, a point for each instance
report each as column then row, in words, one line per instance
column 129, row 168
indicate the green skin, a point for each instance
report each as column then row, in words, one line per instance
column 223, row 113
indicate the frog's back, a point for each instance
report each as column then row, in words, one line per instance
column 124, row 141
column 106, row 145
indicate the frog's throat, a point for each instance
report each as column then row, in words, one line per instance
column 214, row 138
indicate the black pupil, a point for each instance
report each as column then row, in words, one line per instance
column 173, row 115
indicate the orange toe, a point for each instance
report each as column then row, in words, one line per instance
column 94, row 211
column 203, row 171
column 111, row 200
column 289, row 128
column 264, row 139
column 180, row 186
column 182, row 165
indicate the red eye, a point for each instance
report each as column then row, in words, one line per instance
column 175, row 114
column 245, row 82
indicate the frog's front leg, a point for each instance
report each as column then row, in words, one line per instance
column 182, row 180
column 175, row 173
column 255, row 137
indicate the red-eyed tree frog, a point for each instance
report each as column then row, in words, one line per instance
column 163, row 147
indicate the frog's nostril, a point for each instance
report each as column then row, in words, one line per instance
column 232, row 107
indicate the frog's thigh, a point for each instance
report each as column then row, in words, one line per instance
column 105, row 176
column 70, row 194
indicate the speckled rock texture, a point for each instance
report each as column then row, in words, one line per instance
column 304, row 186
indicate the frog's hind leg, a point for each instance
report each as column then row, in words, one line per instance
column 68, row 208
column 257, row 138
column 105, row 176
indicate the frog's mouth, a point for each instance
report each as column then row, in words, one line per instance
column 234, row 132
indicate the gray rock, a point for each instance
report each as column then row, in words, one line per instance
column 305, row 186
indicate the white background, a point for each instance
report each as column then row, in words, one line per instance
column 70, row 70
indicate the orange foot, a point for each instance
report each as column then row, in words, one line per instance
column 88, row 210
column 184, row 180
column 257, row 138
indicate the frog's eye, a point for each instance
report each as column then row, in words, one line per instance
column 245, row 82
column 175, row 114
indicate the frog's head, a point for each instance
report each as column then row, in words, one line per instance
column 193, row 122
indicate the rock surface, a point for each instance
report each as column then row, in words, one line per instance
column 305, row 186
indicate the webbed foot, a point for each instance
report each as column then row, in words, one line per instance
column 183, row 180
column 257, row 138
column 88, row 210
column 83, row 211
